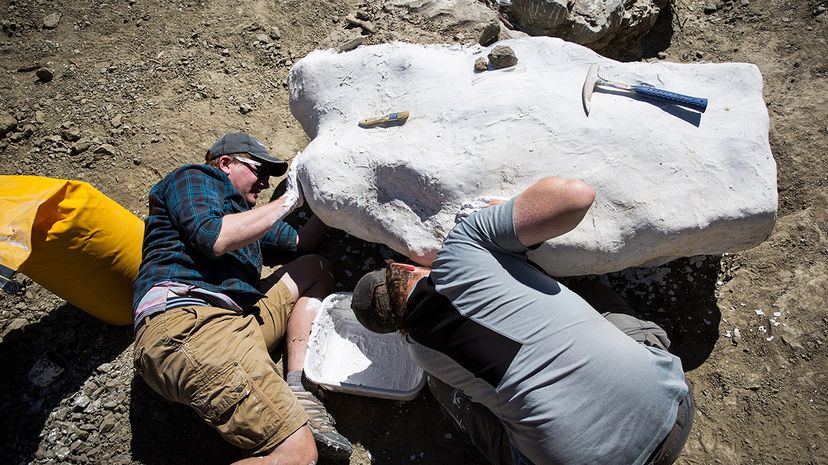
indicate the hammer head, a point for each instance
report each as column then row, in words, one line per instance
column 589, row 86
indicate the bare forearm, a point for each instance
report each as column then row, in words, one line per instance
column 549, row 208
column 242, row 229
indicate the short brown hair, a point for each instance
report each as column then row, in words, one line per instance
column 215, row 161
column 396, row 283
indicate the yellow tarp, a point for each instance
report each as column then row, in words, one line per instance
column 74, row 241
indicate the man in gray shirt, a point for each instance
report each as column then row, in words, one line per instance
column 528, row 369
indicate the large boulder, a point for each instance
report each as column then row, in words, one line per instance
column 670, row 182
column 607, row 26
column 423, row 21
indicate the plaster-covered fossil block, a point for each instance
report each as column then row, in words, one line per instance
column 670, row 182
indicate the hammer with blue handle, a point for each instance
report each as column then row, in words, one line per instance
column 644, row 90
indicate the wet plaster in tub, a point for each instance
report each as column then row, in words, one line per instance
column 344, row 356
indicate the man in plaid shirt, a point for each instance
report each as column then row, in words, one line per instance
column 205, row 323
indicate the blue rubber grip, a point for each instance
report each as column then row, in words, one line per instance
column 695, row 103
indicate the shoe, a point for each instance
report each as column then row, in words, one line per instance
column 329, row 443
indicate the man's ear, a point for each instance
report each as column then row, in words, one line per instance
column 224, row 162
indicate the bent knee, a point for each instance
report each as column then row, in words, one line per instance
column 299, row 447
column 313, row 264
column 311, row 271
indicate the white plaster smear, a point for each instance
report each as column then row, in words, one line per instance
column 666, row 187
column 344, row 356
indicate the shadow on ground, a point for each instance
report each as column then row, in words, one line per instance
column 396, row 432
column 679, row 296
column 77, row 340
column 392, row 432
column 164, row 432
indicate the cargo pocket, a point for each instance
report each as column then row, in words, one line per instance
column 137, row 354
column 229, row 402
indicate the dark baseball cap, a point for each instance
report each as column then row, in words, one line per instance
column 240, row 142
column 371, row 304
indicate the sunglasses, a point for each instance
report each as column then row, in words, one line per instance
column 255, row 167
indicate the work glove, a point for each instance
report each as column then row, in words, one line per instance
column 293, row 197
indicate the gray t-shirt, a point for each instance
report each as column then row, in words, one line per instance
column 568, row 386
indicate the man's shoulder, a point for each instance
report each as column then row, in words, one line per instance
column 197, row 170
column 189, row 174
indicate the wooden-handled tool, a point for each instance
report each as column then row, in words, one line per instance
column 393, row 119
column 645, row 90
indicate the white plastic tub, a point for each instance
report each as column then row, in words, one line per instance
column 343, row 356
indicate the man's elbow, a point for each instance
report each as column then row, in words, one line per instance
column 219, row 248
column 581, row 194
column 573, row 193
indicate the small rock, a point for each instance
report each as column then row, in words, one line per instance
column 63, row 452
column 44, row 74
column 80, row 402
column 275, row 33
column 14, row 325
column 26, row 69
column 40, row 454
column 662, row 55
column 9, row 27
column 79, row 147
column 107, row 424
column 699, row 54
column 489, row 34
column 117, row 120
column 105, row 149
column 71, row 134
column 225, row 52
column 502, row 56
column 27, row 130
column 737, row 336
column 245, row 108
column 7, row 123
column 51, row 21
column 710, row 8
column 481, row 64
column 105, row 368
column 263, row 38
column 39, row 117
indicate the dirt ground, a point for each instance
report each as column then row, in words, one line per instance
column 120, row 92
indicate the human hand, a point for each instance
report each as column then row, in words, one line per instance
column 479, row 203
column 293, row 197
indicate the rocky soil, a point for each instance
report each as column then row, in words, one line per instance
column 118, row 93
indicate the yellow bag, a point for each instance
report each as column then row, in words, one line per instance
column 73, row 240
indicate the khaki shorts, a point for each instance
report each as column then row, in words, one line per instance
column 217, row 361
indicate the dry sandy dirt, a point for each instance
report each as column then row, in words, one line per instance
column 139, row 87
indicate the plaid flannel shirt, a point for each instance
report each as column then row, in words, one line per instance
column 185, row 214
